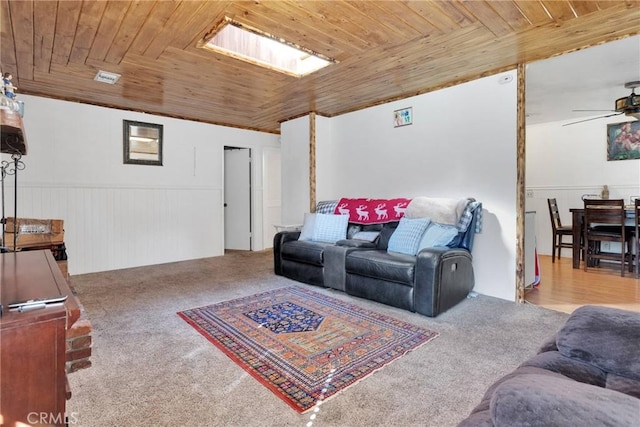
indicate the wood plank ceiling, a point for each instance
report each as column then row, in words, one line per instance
column 385, row 50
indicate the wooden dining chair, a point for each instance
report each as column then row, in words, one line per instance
column 559, row 230
column 604, row 221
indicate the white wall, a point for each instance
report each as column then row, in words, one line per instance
column 566, row 162
column 295, row 169
column 462, row 143
column 119, row 215
column 272, row 211
column 325, row 178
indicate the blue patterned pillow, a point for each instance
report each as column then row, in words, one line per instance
column 329, row 228
column 437, row 235
column 406, row 238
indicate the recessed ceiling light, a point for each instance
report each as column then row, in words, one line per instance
column 106, row 77
column 249, row 44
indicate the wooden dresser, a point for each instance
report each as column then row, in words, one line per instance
column 33, row 382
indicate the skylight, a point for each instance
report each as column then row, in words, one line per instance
column 248, row 44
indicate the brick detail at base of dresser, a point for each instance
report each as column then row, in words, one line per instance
column 79, row 343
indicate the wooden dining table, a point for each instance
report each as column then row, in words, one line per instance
column 577, row 224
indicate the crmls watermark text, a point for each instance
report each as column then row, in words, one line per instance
column 52, row 418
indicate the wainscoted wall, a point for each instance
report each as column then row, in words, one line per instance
column 567, row 198
column 118, row 215
column 114, row 227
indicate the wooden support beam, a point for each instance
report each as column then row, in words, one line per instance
column 312, row 162
column 520, row 185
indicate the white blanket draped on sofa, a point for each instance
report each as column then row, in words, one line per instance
column 440, row 210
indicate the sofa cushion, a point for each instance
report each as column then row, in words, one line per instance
column 304, row 251
column 605, row 337
column 353, row 229
column 385, row 235
column 543, row 400
column 480, row 415
column 406, row 238
column 382, row 265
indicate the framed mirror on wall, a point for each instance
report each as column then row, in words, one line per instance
column 142, row 143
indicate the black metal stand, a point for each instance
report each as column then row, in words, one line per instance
column 10, row 168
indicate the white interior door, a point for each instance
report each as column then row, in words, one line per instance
column 237, row 198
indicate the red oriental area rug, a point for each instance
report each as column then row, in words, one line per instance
column 305, row 346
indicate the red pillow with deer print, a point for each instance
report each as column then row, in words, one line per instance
column 372, row 211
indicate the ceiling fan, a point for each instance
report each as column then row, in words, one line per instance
column 628, row 105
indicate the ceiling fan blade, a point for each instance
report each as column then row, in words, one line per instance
column 593, row 118
column 595, row 110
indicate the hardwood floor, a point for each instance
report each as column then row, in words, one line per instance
column 563, row 288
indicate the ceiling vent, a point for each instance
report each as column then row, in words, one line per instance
column 106, row 77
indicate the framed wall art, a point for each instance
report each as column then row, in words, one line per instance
column 403, row 117
column 142, row 143
column 623, row 141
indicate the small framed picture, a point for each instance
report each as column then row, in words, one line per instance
column 403, row 117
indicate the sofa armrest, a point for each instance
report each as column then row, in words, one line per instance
column 443, row 278
column 545, row 400
column 279, row 239
column 335, row 258
column 355, row 243
column 605, row 337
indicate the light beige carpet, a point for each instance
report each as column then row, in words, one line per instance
column 150, row 368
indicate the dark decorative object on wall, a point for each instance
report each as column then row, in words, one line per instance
column 623, row 141
column 142, row 143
